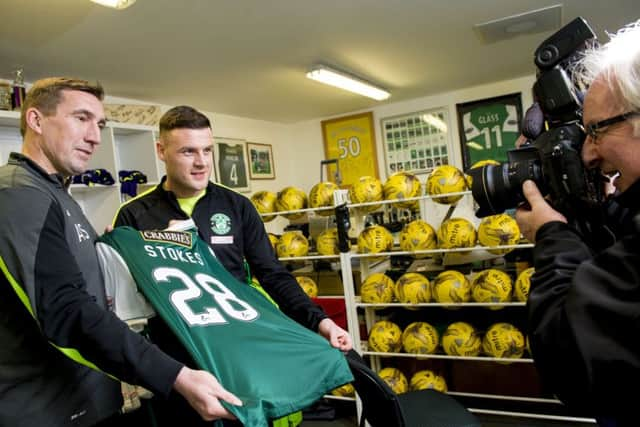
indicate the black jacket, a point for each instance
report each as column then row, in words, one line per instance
column 53, row 312
column 584, row 316
column 232, row 227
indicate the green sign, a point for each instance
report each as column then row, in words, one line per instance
column 489, row 128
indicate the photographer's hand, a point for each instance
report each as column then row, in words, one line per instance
column 537, row 213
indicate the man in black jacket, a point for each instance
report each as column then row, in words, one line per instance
column 61, row 349
column 226, row 220
column 584, row 303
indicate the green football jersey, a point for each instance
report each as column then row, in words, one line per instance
column 273, row 364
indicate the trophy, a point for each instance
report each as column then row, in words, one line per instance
column 18, row 91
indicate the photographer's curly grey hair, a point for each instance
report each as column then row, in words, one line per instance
column 616, row 63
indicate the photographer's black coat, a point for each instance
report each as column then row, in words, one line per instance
column 584, row 315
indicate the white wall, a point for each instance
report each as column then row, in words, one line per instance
column 298, row 148
column 259, row 131
column 306, row 148
column 262, row 132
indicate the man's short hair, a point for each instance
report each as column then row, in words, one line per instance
column 46, row 94
column 182, row 117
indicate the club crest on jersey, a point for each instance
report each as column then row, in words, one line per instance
column 182, row 238
column 220, row 223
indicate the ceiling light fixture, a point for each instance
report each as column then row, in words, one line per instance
column 535, row 21
column 116, row 4
column 326, row 75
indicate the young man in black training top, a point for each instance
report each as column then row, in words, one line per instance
column 226, row 220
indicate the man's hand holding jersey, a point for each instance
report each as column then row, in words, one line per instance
column 337, row 337
column 203, row 392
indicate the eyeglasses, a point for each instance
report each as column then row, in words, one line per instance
column 595, row 129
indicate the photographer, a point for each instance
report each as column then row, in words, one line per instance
column 584, row 304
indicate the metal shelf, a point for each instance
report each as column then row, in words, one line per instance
column 514, row 406
column 296, row 211
column 445, row 251
column 359, row 205
column 10, row 119
column 344, row 398
column 310, row 257
column 532, row 415
column 447, row 357
column 358, row 303
column 408, row 199
column 505, row 397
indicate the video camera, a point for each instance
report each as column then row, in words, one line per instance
column 550, row 158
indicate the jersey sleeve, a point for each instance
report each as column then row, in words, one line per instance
column 123, row 296
column 273, row 276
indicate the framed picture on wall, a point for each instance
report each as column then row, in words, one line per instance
column 261, row 165
column 489, row 128
column 231, row 163
column 416, row 142
column 351, row 140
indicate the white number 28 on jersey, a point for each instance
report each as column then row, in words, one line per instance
column 240, row 309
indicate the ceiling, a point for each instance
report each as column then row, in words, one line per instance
column 248, row 58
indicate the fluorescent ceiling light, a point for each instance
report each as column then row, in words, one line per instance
column 116, row 4
column 344, row 81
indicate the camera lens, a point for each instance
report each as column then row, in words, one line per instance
column 496, row 188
